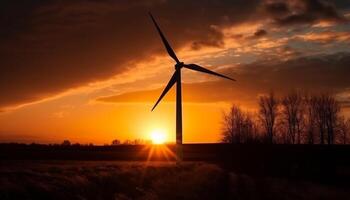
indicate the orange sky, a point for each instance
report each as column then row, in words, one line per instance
column 95, row 77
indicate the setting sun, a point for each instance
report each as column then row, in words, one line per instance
column 158, row 137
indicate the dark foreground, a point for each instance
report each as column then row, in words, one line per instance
column 157, row 180
column 210, row 171
column 305, row 161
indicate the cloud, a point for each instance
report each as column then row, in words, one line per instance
column 260, row 33
column 292, row 12
column 50, row 47
column 306, row 73
column 344, row 98
column 325, row 37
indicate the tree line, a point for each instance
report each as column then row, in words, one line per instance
column 295, row 118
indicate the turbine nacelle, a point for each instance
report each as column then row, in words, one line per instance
column 179, row 65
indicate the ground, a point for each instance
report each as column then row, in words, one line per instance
column 153, row 180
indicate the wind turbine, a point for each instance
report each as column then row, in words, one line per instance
column 176, row 78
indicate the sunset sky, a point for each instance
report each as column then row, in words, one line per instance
column 90, row 71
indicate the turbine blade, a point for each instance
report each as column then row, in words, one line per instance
column 166, row 44
column 167, row 88
column 202, row 69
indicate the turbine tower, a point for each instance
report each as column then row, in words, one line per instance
column 176, row 78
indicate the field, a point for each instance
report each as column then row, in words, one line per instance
column 243, row 172
column 157, row 180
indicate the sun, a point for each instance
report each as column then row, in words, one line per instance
column 158, row 137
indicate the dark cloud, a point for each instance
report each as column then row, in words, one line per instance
column 341, row 4
column 322, row 73
column 260, row 33
column 292, row 12
column 215, row 38
column 276, row 8
column 48, row 47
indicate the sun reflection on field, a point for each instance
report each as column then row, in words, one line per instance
column 158, row 152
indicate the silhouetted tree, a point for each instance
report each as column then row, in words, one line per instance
column 320, row 116
column 343, row 130
column 327, row 113
column 232, row 125
column 66, row 143
column 332, row 109
column 127, row 142
column 293, row 116
column 115, row 142
column 138, row 142
column 297, row 119
column 238, row 127
column 310, row 118
column 250, row 129
column 268, row 111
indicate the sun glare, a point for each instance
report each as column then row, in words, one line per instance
column 158, row 137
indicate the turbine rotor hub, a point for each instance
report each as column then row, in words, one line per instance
column 179, row 65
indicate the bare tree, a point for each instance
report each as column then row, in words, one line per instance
column 332, row 109
column 250, row 129
column 238, row 126
column 268, row 111
column 66, row 143
column 310, row 118
column 327, row 112
column 233, row 121
column 292, row 112
column 127, row 142
column 116, row 142
column 343, row 132
column 299, row 119
column 320, row 114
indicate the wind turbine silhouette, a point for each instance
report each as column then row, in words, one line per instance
column 176, row 78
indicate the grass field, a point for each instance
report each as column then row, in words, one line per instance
column 153, row 180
